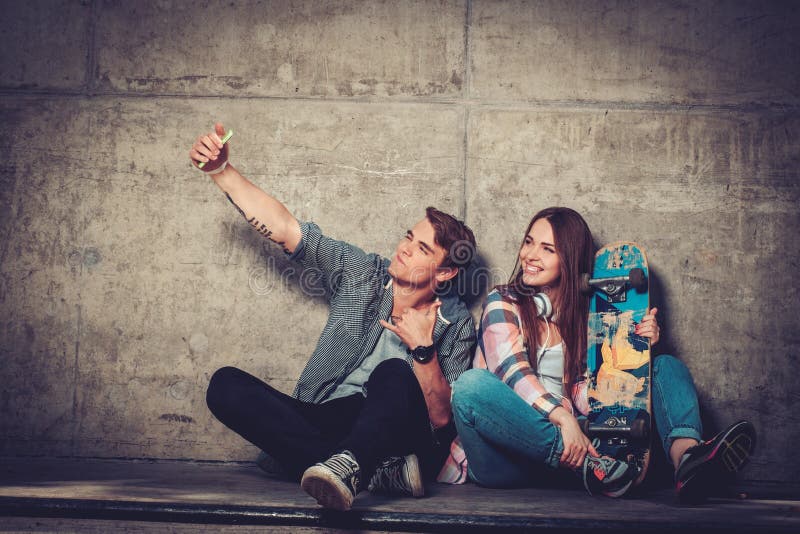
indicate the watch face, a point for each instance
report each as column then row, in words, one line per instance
column 423, row 354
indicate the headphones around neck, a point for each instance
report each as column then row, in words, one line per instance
column 544, row 308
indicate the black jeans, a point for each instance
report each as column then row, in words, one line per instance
column 392, row 420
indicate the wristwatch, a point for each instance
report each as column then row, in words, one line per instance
column 422, row 354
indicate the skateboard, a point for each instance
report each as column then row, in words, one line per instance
column 618, row 359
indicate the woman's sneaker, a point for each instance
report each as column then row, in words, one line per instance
column 612, row 478
column 334, row 482
column 711, row 463
column 399, row 475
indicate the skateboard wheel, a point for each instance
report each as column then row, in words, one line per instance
column 637, row 279
column 639, row 429
column 585, row 286
column 585, row 426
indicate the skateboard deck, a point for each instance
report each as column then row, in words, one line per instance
column 618, row 359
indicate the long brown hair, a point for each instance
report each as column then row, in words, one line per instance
column 575, row 248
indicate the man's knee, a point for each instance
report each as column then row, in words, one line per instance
column 221, row 388
column 393, row 369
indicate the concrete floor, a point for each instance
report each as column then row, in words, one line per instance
column 65, row 495
column 100, row 526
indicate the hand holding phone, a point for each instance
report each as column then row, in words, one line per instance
column 222, row 157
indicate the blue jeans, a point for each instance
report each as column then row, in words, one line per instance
column 509, row 444
column 675, row 408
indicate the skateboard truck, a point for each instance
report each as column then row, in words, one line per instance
column 637, row 429
column 616, row 287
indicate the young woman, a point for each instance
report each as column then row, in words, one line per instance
column 517, row 410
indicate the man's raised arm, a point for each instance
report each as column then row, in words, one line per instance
column 263, row 212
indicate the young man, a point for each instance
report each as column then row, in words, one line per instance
column 378, row 383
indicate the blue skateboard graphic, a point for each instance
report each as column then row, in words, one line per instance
column 618, row 360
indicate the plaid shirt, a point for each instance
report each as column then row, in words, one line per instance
column 359, row 292
column 501, row 349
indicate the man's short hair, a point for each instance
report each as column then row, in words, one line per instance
column 454, row 237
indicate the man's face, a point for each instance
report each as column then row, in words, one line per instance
column 417, row 257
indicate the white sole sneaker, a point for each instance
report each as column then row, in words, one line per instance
column 328, row 489
column 414, row 476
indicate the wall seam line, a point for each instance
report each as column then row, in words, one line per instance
column 91, row 57
column 510, row 105
column 467, row 108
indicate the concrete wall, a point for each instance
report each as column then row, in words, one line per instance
column 126, row 278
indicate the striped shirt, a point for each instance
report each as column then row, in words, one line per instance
column 359, row 291
column 501, row 350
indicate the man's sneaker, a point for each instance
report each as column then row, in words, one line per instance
column 713, row 462
column 399, row 475
column 334, row 482
column 608, row 476
column 270, row 465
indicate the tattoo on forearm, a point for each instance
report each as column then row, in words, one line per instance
column 259, row 227
column 235, row 205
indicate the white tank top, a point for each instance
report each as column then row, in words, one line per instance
column 550, row 369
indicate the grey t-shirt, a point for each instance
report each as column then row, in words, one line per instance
column 388, row 346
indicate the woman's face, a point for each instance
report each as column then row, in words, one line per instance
column 541, row 266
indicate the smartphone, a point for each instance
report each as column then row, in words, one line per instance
column 225, row 139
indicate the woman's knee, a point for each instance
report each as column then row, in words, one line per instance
column 471, row 386
column 668, row 366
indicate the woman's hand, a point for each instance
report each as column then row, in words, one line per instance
column 576, row 444
column 649, row 327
